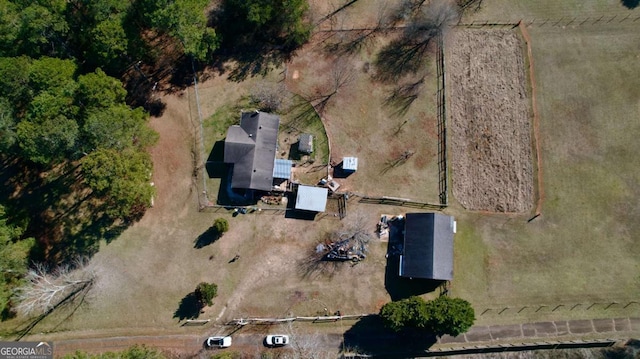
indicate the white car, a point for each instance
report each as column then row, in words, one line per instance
column 218, row 342
column 277, row 340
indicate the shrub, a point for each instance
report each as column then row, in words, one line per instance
column 451, row 316
column 206, row 292
column 221, row 225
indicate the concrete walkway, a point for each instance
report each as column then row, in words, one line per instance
column 541, row 330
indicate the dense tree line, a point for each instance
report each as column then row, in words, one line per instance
column 114, row 34
column 13, row 260
column 51, row 115
column 102, row 33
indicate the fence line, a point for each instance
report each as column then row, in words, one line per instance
column 316, row 319
column 517, row 347
column 500, row 310
column 593, row 20
column 393, row 201
column 536, row 119
column 199, row 167
column 548, row 308
column 442, row 128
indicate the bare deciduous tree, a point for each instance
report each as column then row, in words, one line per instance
column 46, row 289
column 355, row 230
column 407, row 54
column 469, row 5
column 306, row 345
column 342, row 75
column 351, row 41
column 268, row 96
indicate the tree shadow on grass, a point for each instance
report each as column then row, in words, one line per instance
column 631, row 4
column 246, row 51
column 400, row 58
column 314, row 266
column 57, row 209
column 189, row 308
column 369, row 336
column 403, row 95
column 206, row 238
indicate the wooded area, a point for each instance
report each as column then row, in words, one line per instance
column 75, row 98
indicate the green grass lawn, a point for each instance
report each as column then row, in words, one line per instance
column 584, row 247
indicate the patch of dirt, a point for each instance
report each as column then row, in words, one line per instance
column 172, row 161
column 490, row 129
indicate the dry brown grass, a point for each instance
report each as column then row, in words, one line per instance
column 363, row 121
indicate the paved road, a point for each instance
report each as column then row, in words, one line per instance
column 477, row 335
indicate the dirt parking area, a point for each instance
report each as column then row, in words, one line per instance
column 489, row 121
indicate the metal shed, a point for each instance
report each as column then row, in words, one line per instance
column 282, row 168
column 311, row 198
column 305, row 143
column 350, row 164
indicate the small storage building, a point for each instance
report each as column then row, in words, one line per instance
column 428, row 246
column 311, row 198
column 350, row 164
column 305, row 143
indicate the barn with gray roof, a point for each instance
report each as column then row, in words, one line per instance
column 427, row 251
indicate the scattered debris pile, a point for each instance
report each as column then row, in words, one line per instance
column 349, row 244
column 346, row 250
column 273, row 200
column 383, row 228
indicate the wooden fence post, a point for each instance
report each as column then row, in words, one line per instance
column 542, row 306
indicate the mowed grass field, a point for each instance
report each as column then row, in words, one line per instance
column 584, row 248
column 539, row 10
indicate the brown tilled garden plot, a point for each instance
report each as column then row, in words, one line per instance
column 490, row 127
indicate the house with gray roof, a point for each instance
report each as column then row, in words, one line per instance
column 427, row 251
column 251, row 148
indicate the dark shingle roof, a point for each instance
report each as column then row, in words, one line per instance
column 428, row 246
column 251, row 148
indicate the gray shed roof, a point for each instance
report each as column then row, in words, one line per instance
column 251, row 148
column 305, row 143
column 428, row 246
column 311, row 198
